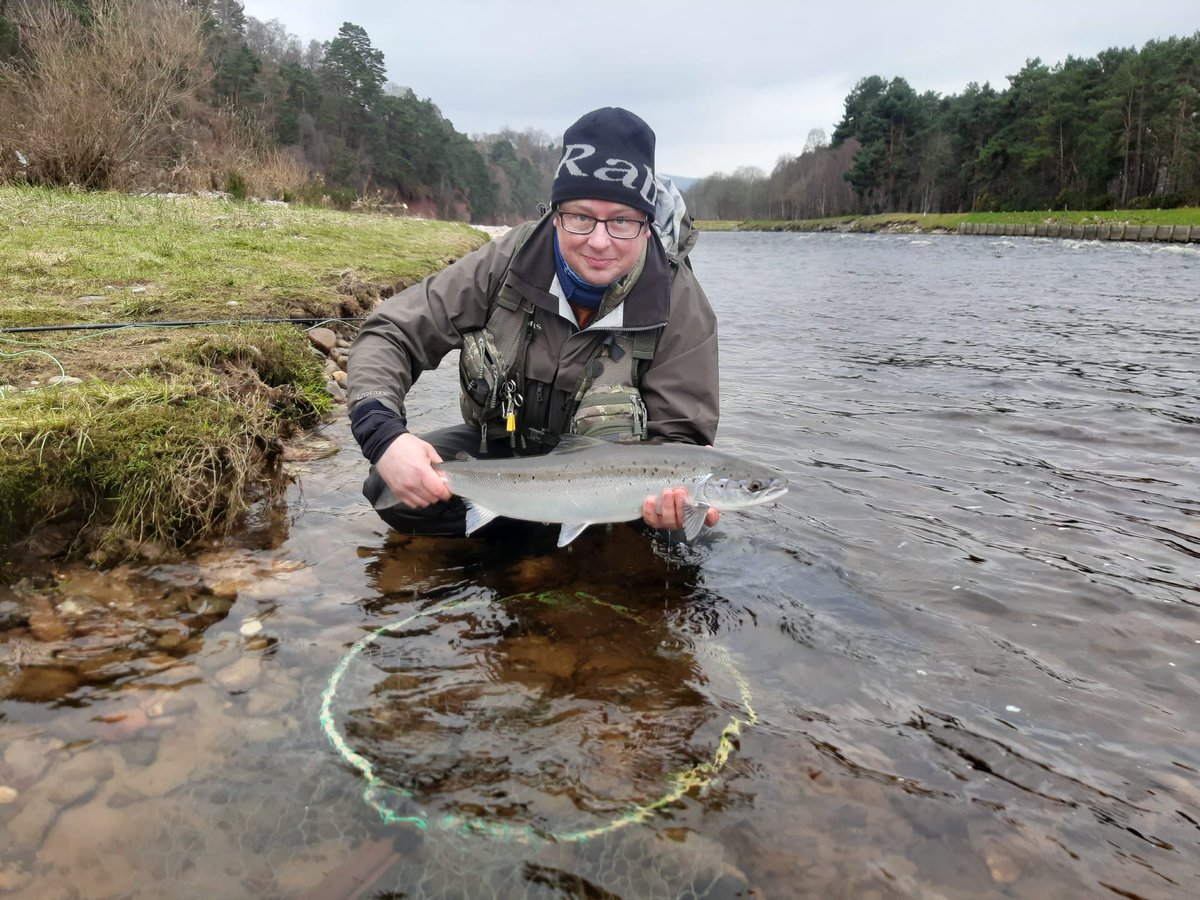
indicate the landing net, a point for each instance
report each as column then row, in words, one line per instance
column 399, row 798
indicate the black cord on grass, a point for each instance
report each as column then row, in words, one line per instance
column 30, row 329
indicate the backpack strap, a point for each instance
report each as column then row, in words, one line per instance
column 644, row 344
column 510, row 323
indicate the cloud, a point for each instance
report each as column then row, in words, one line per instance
column 723, row 84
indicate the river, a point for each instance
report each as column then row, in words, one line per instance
column 958, row 659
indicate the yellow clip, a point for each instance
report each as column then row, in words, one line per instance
column 511, row 422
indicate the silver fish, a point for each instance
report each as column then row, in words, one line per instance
column 585, row 481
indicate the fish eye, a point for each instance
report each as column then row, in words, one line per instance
column 756, row 486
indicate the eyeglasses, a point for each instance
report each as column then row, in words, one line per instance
column 621, row 228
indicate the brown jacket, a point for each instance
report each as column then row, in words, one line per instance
column 415, row 329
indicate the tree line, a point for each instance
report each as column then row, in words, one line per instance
column 188, row 94
column 332, row 102
column 1118, row 130
column 195, row 94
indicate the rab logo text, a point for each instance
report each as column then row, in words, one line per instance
column 613, row 170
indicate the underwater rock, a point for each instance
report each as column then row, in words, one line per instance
column 1003, row 868
column 241, row 675
column 74, row 780
column 36, row 684
column 139, row 753
column 13, row 878
column 269, row 700
column 27, row 758
column 541, row 572
column 44, row 621
column 169, row 641
column 12, row 615
column 528, row 654
column 121, row 726
column 250, row 628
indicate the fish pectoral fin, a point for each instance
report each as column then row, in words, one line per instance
column 477, row 516
column 570, row 531
column 693, row 519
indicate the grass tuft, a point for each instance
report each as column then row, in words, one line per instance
column 122, row 464
column 173, row 430
column 281, row 358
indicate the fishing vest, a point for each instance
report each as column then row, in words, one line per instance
column 606, row 402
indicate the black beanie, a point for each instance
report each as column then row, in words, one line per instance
column 607, row 155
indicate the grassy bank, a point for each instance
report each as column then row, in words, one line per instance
column 157, row 436
column 949, row 222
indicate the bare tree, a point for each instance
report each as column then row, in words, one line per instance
column 97, row 103
column 271, row 41
column 811, row 185
column 817, row 140
column 935, row 158
column 314, row 55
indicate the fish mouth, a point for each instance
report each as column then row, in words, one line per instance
column 745, row 493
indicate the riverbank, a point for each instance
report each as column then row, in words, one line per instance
column 134, row 437
column 1054, row 223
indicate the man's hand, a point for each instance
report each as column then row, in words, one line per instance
column 407, row 468
column 667, row 511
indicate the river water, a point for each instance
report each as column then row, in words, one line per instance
column 958, row 659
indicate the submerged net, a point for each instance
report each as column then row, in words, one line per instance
column 541, row 718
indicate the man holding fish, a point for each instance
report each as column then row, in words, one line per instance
column 586, row 322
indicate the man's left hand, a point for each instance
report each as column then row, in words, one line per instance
column 667, row 511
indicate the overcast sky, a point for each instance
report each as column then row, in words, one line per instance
column 723, row 84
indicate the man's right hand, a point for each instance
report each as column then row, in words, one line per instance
column 407, row 468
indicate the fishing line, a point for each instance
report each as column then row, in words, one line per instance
column 54, row 359
column 376, row 792
column 5, row 390
column 113, row 326
column 101, row 329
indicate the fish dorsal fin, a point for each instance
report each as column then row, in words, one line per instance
column 463, row 456
column 570, row 531
column 574, row 443
column 478, row 516
column 693, row 519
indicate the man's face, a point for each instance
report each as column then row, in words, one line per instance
column 598, row 258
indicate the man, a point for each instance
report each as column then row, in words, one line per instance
column 588, row 321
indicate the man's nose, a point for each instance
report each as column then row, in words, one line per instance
column 600, row 236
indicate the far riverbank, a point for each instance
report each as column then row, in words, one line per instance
column 1181, row 224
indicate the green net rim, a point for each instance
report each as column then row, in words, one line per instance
column 377, row 792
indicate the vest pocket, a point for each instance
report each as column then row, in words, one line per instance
column 480, row 371
column 613, row 412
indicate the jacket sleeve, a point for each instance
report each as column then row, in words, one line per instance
column 411, row 332
column 681, row 388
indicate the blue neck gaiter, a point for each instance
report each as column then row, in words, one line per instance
column 577, row 290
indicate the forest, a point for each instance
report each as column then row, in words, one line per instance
column 1119, row 130
column 197, row 95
